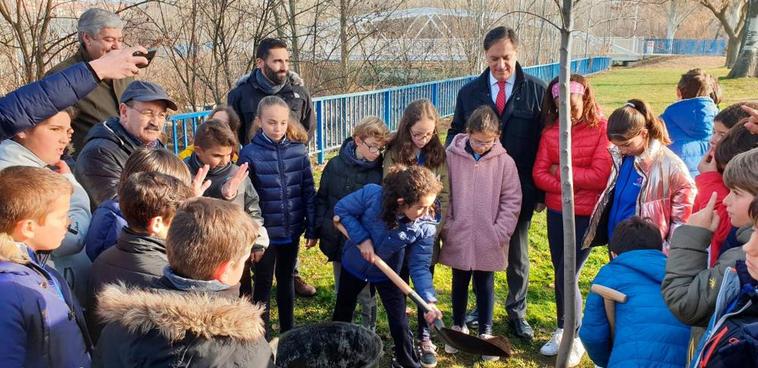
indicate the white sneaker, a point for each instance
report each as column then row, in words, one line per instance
column 551, row 346
column 577, row 352
column 449, row 349
column 488, row 358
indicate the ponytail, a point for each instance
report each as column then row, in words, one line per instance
column 627, row 122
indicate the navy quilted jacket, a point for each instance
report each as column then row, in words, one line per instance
column 281, row 174
column 25, row 107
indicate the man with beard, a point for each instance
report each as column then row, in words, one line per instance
column 142, row 114
column 99, row 32
column 271, row 77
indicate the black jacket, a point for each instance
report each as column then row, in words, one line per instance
column 342, row 175
column 100, row 162
column 167, row 327
column 521, row 126
column 246, row 95
column 136, row 260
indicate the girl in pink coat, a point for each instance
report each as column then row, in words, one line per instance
column 485, row 201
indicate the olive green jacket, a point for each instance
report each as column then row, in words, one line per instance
column 98, row 105
column 690, row 288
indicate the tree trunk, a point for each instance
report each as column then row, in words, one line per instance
column 746, row 65
column 295, row 47
column 732, row 50
column 567, row 191
column 344, row 47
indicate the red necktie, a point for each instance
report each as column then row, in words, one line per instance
column 500, row 100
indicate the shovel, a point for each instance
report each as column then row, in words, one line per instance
column 610, row 298
column 495, row 346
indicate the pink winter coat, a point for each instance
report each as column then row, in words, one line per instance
column 485, row 201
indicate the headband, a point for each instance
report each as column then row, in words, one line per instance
column 574, row 87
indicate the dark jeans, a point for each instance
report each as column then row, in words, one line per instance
column 422, row 328
column 278, row 260
column 517, row 271
column 484, row 289
column 394, row 304
column 555, row 238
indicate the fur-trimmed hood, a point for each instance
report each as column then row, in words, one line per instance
column 174, row 314
column 10, row 251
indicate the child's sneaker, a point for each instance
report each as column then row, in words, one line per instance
column 577, row 352
column 488, row 358
column 472, row 318
column 427, row 353
column 449, row 349
column 551, row 346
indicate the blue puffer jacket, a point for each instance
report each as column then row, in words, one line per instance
column 690, row 126
column 360, row 212
column 106, row 224
column 647, row 334
column 35, row 102
column 40, row 325
column 281, row 174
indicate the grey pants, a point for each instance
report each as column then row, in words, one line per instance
column 517, row 272
column 365, row 299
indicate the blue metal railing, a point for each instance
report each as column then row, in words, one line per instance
column 686, row 47
column 336, row 115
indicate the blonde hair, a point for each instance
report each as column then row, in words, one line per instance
column 29, row 193
column 205, row 233
column 371, row 127
column 295, row 131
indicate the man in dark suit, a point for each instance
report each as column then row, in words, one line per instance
column 517, row 98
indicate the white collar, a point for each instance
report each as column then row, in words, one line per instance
column 511, row 80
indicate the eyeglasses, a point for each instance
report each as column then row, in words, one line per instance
column 478, row 143
column 373, row 149
column 421, row 136
column 150, row 114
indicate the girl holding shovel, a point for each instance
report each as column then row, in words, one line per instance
column 386, row 222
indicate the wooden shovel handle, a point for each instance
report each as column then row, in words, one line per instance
column 608, row 293
column 389, row 272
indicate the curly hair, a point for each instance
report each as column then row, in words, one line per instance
column 410, row 183
column 590, row 113
column 401, row 146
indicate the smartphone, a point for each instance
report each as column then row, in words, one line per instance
column 149, row 56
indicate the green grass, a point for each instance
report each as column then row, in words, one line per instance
column 657, row 86
column 652, row 84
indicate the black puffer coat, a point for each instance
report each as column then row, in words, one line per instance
column 343, row 175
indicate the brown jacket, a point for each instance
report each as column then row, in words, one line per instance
column 98, row 105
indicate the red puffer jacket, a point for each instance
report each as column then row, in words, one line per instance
column 591, row 160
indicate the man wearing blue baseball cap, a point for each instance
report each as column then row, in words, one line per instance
column 142, row 114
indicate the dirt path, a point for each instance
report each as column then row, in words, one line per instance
column 683, row 62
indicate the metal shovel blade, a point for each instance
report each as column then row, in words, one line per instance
column 496, row 346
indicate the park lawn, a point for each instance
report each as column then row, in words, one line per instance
column 654, row 85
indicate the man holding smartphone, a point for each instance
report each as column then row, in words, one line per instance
column 99, row 32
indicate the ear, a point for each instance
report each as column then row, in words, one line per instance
column 158, row 226
column 24, row 230
column 259, row 63
column 220, row 272
column 400, row 202
column 644, row 133
column 122, row 111
column 678, row 94
column 86, row 38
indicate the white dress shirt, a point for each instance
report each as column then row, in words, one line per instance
column 494, row 88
